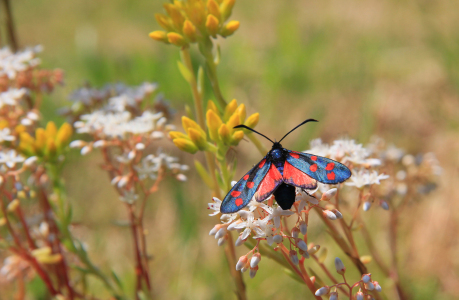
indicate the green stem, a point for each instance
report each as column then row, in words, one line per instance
column 257, row 143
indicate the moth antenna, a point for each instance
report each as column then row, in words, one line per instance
column 308, row 120
column 243, row 126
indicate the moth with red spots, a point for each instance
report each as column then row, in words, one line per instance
column 279, row 172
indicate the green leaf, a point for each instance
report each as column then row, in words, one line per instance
column 186, row 73
column 204, row 174
column 117, row 280
column 200, row 80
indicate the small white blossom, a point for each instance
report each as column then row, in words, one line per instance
column 10, row 158
column 364, row 177
column 5, row 135
column 277, row 214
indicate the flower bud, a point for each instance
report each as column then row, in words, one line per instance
column 239, row 241
column 214, row 230
column 277, row 239
column 337, row 213
column 198, row 138
column 295, row 232
column 366, row 205
column 328, row 194
column 322, row 291
column 226, row 8
column 314, row 249
column 185, row 145
column 213, row 8
column 237, row 137
column 164, row 21
column 99, row 144
column 253, row 272
column 220, row 233
column 255, row 260
column 359, row 296
column 366, row 259
column 369, row 286
column 330, row 215
column 139, row 146
column 377, row 286
column 63, row 135
column 240, row 110
column 212, row 25
column 305, row 254
column 303, row 228
column 224, row 133
column 245, row 267
column 366, row 278
column 177, row 134
column 213, row 123
column 333, row 296
column 176, row 39
column 159, row 35
column 85, row 150
column 384, row 205
column 222, row 240
column 294, row 257
column 77, row 144
column 189, row 30
column 30, row 161
column 241, row 263
column 252, row 120
column 230, row 109
column 340, row 268
column 302, row 245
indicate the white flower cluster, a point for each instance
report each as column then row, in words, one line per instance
column 13, row 63
column 10, row 158
column 11, row 97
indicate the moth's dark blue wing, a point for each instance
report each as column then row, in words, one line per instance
column 261, row 179
column 320, row 168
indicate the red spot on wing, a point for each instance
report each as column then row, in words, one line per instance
column 296, row 177
column 235, row 193
column 246, row 177
column 262, row 163
column 313, row 168
column 331, row 176
column 314, row 158
column 330, row 166
column 294, row 155
column 250, row 184
column 271, row 180
column 239, row 201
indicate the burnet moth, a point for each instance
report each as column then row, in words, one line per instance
column 279, row 172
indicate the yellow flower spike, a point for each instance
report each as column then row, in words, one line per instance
column 211, row 106
column 213, row 8
column 225, row 134
column 212, row 25
column 51, row 130
column 197, row 138
column 177, row 134
column 242, row 113
column 230, row 109
column 187, row 123
column 229, row 28
column 189, row 30
column 63, row 135
column 185, row 145
column 252, row 120
column 233, row 121
column 237, row 137
column 226, row 8
column 213, row 123
column 159, row 35
column 164, row 21
column 176, row 39
column 175, row 14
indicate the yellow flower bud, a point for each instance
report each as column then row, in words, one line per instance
column 51, row 148
column 63, row 135
column 189, row 123
column 230, row 109
column 26, row 142
column 43, row 251
column 185, row 145
column 159, row 36
column 213, row 123
column 13, row 205
column 237, row 137
column 225, row 134
column 213, row 8
column 242, row 113
column 40, row 141
column 366, row 259
column 177, row 134
column 51, row 130
column 229, row 28
column 198, row 138
column 176, row 39
column 252, row 120
column 50, row 259
column 211, row 105
column 233, row 121
column 175, row 14
column 164, row 21
column 226, row 8
column 189, row 30
column 212, row 25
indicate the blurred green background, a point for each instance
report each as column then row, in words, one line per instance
column 363, row 68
